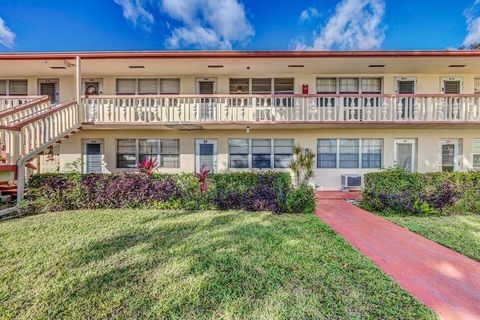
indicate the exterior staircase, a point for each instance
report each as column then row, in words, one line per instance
column 28, row 127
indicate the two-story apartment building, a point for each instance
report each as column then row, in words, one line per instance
column 242, row 110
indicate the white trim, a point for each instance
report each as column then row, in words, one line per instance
column 443, row 79
column 457, row 161
column 397, row 79
column 84, row 157
column 100, row 84
column 56, row 81
column 198, row 142
column 412, row 141
column 205, row 79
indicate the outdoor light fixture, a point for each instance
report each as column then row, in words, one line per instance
column 247, row 129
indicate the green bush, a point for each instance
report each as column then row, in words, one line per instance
column 251, row 191
column 431, row 193
column 301, row 200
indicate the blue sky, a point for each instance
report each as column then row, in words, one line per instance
column 59, row 25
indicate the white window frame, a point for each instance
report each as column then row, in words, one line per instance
column 137, row 152
column 151, row 78
column 7, row 83
column 360, row 152
column 250, row 155
column 474, row 153
column 397, row 79
column 100, row 84
column 250, row 83
column 205, row 79
column 337, row 83
column 476, row 79
column 454, row 78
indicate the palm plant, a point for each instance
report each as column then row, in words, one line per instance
column 148, row 166
column 302, row 165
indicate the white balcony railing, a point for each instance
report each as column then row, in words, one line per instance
column 178, row 109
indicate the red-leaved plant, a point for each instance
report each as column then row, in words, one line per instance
column 202, row 178
column 148, row 166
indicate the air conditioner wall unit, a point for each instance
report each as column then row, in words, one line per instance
column 350, row 181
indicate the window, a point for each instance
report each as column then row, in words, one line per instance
column 371, row 153
column 169, row 153
column 406, row 86
column 283, row 153
column 238, row 150
column 349, row 153
column 476, row 153
column 13, row 87
column 239, row 86
column 283, row 85
column 259, row 153
column 148, row 86
column 261, row 86
column 477, row 85
column 326, row 153
column 130, row 152
column 348, row 85
column 371, row 85
column 126, row 86
column 326, row 85
column 126, row 153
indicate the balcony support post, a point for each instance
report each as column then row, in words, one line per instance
column 78, row 85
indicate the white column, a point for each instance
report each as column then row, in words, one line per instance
column 78, row 85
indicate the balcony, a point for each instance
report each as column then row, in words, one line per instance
column 277, row 109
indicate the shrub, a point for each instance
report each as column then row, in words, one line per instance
column 301, row 200
column 430, row 193
column 265, row 191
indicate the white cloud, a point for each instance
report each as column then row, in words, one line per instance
column 473, row 24
column 308, row 14
column 355, row 25
column 7, row 37
column 135, row 12
column 207, row 24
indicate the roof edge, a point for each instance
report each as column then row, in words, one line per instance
column 235, row 54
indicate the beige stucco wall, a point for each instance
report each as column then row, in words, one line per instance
column 428, row 146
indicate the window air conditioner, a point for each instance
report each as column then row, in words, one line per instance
column 351, row 181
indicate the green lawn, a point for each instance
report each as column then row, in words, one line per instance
column 178, row 265
column 459, row 232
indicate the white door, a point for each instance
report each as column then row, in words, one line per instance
column 93, row 156
column 206, row 154
column 49, row 87
column 405, row 154
column 450, row 154
column 207, row 106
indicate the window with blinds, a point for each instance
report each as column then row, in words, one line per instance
column 283, row 85
column 326, row 85
column 476, row 153
column 126, row 86
column 3, row 87
column 371, row 85
column 406, row 86
column 17, row 87
column 282, row 152
column 261, row 85
column 239, row 86
column 372, row 153
column 170, row 86
column 238, row 150
column 131, row 152
column 349, row 85
column 451, row 86
column 326, row 153
column 147, row 86
column 261, row 153
column 206, row 87
column 477, row 85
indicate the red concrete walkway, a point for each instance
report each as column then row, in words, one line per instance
column 444, row 280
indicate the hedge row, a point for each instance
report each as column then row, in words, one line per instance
column 429, row 193
column 266, row 191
